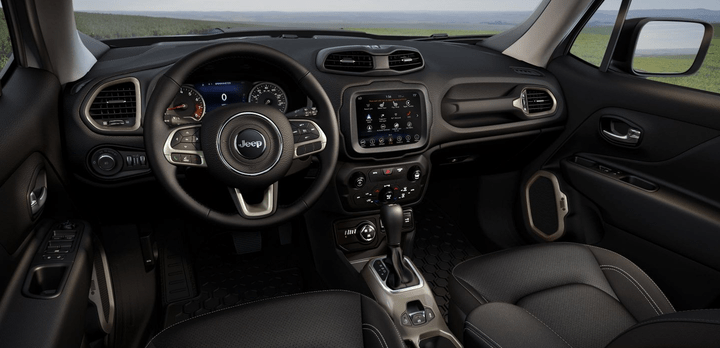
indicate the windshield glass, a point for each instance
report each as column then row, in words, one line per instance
column 103, row 19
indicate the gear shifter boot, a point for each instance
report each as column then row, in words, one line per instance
column 401, row 276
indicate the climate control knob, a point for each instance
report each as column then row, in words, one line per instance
column 366, row 232
column 387, row 194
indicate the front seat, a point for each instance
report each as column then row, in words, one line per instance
column 317, row 319
column 568, row 295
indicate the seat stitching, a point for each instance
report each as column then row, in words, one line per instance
column 256, row 301
column 549, row 328
column 681, row 320
column 641, row 271
column 376, row 336
column 378, row 332
column 460, row 281
column 484, row 334
column 637, row 285
column 480, row 337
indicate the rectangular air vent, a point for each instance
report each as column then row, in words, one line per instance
column 539, row 101
column 404, row 60
column 536, row 102
column 115, row 105
column 354, row 61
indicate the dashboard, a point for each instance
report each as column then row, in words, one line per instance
column 416, row 108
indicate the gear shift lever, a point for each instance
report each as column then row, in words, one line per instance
column 392, row 219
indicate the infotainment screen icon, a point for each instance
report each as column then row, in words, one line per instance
column 390, row 118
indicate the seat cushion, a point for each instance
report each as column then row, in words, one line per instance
column 318, row 319
column 582, row 295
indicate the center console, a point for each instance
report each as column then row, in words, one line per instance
column 413, row 308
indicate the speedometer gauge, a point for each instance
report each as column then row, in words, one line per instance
column 270, row 94
column 187, row 107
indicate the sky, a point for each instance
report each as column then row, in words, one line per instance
column 363, row 5
column 670, row 35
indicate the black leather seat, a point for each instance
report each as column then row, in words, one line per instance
column 568, row 295
column 319, row 319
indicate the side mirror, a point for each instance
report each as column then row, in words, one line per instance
column 662, row 46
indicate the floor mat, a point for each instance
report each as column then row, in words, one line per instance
column 439, row 246
column 224, row 279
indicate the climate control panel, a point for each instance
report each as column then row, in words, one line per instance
column 368, row 187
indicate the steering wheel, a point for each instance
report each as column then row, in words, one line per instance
column 246, row 147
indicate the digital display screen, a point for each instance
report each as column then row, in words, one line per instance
column 217, row 94
column 389, row 119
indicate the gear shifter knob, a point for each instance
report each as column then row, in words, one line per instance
column 391, row 216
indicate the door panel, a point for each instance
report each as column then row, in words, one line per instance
column 31, row 158
column 660, row 198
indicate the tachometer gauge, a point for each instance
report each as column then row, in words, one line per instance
column 187, row 107
column 270, row 94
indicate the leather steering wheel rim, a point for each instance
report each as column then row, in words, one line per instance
column 156, row 131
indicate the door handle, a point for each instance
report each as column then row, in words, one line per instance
column 39, row 192
column 619, row 131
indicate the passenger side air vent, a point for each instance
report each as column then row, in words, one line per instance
column 536, row 102
column 405, row 60
column 354, row 61
column 115, row 106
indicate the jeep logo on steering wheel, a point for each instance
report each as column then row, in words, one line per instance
column 250, row 143
column 244, row 143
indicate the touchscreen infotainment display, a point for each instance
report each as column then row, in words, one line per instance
column 389, row 119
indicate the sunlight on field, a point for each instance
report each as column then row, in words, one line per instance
column 420, row 32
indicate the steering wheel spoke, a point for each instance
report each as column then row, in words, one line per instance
column 182, row 147
column 264, row 208
column 309, row 137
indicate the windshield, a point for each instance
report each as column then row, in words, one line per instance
column 103, row 19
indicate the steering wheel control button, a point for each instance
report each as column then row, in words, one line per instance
column 185, row 158
column 250, row 144
column 366, row 232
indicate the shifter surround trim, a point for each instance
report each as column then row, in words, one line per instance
column 421, row 280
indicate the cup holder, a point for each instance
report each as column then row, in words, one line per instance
column 436, row 342
column 46, row 281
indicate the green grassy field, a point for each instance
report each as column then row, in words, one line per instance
column 420, row 32
column 590, row 45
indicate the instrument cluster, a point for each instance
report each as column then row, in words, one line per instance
column 194, row 101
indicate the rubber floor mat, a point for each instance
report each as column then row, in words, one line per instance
column 439, row 246
column 224, row 279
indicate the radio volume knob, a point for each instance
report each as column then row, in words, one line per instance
column 358, row 180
